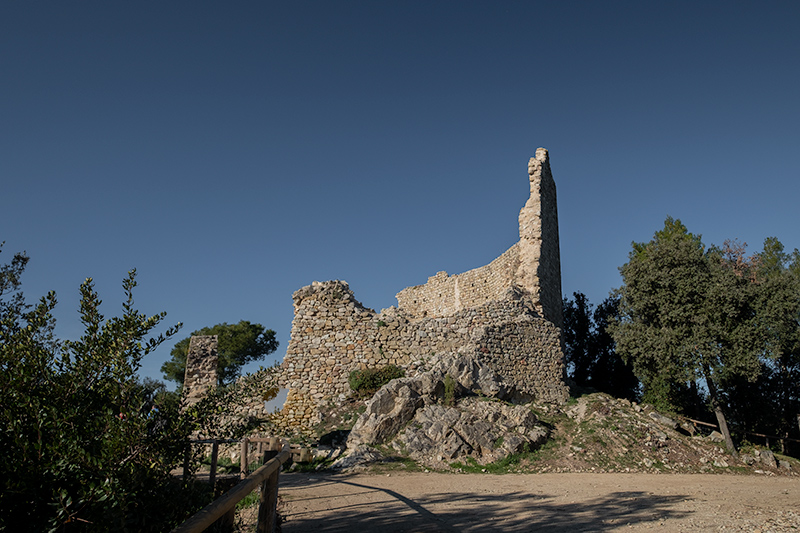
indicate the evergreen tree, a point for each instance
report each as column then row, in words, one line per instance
column 589, row 349
column 689, row 315
column 83, row 447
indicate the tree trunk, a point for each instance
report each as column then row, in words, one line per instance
column 723, row 424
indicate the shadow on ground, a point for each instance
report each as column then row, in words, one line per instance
column 364, row 508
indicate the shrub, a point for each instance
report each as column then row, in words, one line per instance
column 89, row 447
column 366, row 382
column 449, row 390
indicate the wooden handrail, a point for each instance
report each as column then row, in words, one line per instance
column 216, row 509
column 695, row 422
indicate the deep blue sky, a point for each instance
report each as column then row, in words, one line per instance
column 234, row 152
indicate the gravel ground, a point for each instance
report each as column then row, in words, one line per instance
column 435, row 502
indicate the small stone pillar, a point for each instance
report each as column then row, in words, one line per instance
column 201, row 368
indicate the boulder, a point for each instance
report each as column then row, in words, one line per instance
column 663, row 420
column 767, row 458
column 408, row 412
column 484, row 430
column 358, row 456
column 391, row 408
column 395, row 403
column 473, row 376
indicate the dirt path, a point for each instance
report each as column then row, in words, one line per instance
column 431, row 502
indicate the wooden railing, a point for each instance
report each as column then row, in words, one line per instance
column 268, row 450
column 266, row 477
column 212, row 477
column 782, row 440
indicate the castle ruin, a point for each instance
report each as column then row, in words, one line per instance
column 507, row 314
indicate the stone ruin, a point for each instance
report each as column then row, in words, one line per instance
column 201, row 368
column 505, row 315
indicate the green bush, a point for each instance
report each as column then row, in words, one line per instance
column 449, row 390
column 366, row 382
column 89, row 447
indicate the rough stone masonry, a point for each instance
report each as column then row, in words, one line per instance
column 201, row 368
column 507, row 314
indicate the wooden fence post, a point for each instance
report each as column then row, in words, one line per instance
column 269, row 454
column 243, row 459
column 268, row 509
column 275, row 443
column 212, row 476
column 305, row 456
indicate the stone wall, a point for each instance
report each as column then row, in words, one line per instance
column 445, row 295
column 201, row 368
column 333, row 334
column 533, row 263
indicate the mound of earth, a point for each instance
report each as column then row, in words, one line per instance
column 593, row 433
column 598, row 433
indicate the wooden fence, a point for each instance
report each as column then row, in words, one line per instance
column 273, row 453
column 767, row 438
column 266, row 476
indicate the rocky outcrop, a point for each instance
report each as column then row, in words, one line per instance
column 409, row 414
column 396, row 403
column 484, row 430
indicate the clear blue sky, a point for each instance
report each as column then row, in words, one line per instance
column 234, row 152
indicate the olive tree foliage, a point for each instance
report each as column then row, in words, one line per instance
column 589, row 349
column 84, row 448
column 688, row 316
column 237, row 345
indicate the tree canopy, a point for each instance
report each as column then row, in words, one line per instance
column 590, row 353
column 238, row 344
column 693, row 317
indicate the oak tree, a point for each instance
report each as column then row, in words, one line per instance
column 689, row 316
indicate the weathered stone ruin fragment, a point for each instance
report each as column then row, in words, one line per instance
column 201, row 368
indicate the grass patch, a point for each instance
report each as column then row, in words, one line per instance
column 224, row 465
column 313, row 466
column 397, row 463
column 449, row 390
column 509, row 464
column 250, row 500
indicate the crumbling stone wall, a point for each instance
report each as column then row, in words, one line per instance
column 539, row 270
column 533, row 263
column 334, row 334
column 201, row 368
column 445, row 295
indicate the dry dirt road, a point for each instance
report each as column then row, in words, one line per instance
column 431, row 502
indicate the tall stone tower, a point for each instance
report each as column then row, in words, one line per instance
column 539, row 269
column 533, row 263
